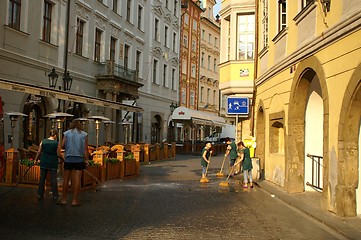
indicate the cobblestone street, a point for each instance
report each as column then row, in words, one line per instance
column 166, row 202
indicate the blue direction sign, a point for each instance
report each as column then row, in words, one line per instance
column 237, row 105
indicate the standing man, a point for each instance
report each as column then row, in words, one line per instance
column 75, row 143
column 232, row 152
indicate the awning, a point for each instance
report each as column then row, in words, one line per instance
column 73, row 97
column 186, row 115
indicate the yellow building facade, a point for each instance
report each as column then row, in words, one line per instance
column 237, row 57
column 308, row 98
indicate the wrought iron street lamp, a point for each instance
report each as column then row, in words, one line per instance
column 53, row 78
column 67, row 82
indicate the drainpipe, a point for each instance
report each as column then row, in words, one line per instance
column 255, row 69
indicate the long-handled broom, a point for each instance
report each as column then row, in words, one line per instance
column 226, row 183
column 205, row 179
column 220, row 174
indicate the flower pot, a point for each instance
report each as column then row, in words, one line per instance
column 113, row 171
column 29, row 176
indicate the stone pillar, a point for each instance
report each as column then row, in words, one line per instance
column 12, row 165
column 136, row 153
column 146, row 153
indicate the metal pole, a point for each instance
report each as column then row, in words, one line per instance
column 236, row 128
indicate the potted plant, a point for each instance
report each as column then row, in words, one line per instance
column 129, row 164
column 29, row 171
column 112, row 168
column 92, row 172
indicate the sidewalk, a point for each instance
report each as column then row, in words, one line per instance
column 311, row 204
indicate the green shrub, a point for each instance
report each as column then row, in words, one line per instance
column 129, row 157
column 111, row 160
column 27, row 162
column 93, row 163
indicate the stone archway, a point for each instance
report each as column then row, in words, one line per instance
column 307, row 70
column 349, row 182
column 261, row 138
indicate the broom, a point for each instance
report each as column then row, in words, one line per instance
column 220, row 174
column 226, row 183
column 205, row 179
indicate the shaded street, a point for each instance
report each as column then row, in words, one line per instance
column 166, row 202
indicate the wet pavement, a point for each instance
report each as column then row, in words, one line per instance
column 168, row 202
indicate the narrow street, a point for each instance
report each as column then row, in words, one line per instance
column 166, row 202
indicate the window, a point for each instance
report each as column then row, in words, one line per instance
column 202, row 59
column 215, row 41
column 191, row 98
column 79, row 37
column 47, row 21
column 165, row 68
column 129, row 2
column 126, row 56
column 202, row 90
column 165, row 36
column 115, row 6
column 98, row 37
column 215, row 65
column 155, row 66
column 156, row 30
column 183, row 96
column 113, row 42
column 174, row 42
column 246, row 36
column 173, row 78
column 214, row 97
column 14, row 14
column 195, row 25
column 194, row 45
column 186, row 19
column 140, row 13
column 265, row 23
column 282, row 14
column 209, row 37
column 193, row 71
column 167, row 4
column 185, row 41
column 208, row 94
column 138, row 56
column 209, row 62
column 203, row 33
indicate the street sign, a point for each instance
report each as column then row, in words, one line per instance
column 237, row 105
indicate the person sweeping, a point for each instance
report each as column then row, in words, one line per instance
column 206, row 155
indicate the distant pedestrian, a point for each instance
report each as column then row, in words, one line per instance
column 75, row 143
column 206, row 154
column 47, row 156
column 232, row 152
column 246, row 160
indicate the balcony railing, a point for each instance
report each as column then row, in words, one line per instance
column 317, row 166
column 110, row 68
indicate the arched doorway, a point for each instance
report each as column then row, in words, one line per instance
column 348, row 189
column 301, row 90
column 156, row 129
column 34, row 124
column 313, row 179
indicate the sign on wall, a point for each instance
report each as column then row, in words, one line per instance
column 238, row 105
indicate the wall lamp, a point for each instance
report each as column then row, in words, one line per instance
column 326, row 4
